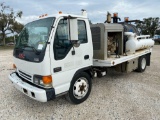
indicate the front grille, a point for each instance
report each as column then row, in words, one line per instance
column 25, row 76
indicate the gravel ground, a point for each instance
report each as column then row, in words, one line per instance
column 134, row 96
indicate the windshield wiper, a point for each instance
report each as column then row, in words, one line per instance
column 36, row 51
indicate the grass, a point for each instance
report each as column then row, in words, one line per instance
column 6, row 47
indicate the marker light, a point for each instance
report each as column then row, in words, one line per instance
column 14, row 66
column 126, row 19
column 43, row 15
column 115, row 14
column 60, row 12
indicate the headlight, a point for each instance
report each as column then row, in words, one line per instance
column 44, row 81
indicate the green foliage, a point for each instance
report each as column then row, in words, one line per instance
column 8, row 23
column 9, row 39
column 157, row 32
column 17, row 27
column 148, row 26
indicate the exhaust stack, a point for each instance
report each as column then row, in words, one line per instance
column 84, row 12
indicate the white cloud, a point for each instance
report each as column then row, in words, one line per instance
column 133, row 10
column 26, row 19
column 97, row 10
column 83, row 3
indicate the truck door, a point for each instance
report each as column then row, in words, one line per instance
column 64, row 63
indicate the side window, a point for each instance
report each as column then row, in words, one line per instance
column 62, row 45
column 82, row 32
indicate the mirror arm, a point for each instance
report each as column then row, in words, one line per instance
column 73, row 52
column 75, row 43
column 69, row 28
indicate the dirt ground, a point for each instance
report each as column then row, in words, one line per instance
column 131, row 96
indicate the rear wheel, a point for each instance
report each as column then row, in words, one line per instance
column 142, row 63
column 80, row 88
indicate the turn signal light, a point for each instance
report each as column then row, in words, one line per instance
column 47, row 79
column 14, row 66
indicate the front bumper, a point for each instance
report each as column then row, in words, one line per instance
column 34, row 92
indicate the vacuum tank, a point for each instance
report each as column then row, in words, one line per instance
column 137, row 42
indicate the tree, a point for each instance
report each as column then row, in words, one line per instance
column 17, row 27
column 157, row 32
column 8, row 20
column 148, row 26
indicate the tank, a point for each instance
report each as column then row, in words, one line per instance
column 137, row 42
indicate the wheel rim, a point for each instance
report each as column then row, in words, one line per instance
column 143, row 64
column 80, row 88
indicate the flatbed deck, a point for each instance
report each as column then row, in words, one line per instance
column 113, row 60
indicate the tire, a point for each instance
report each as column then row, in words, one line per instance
column 80, row 88
column 142, row 63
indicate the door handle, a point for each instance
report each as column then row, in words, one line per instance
column 86, row 57
column 57, row 69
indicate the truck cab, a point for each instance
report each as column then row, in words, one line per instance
column 53, row 55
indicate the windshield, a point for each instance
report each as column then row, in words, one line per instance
column 32, row 41
column 35, row 35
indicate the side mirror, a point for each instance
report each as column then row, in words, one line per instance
column 73, row 28
column 76, row 43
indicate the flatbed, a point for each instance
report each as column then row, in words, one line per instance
column 115, row 60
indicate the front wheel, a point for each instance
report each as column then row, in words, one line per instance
column 80, row 88
column 142, row 63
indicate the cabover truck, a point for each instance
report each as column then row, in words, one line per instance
column 60, row 55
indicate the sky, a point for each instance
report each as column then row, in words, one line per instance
column 96, row 9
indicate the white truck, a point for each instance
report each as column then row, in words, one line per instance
column 59, row 55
